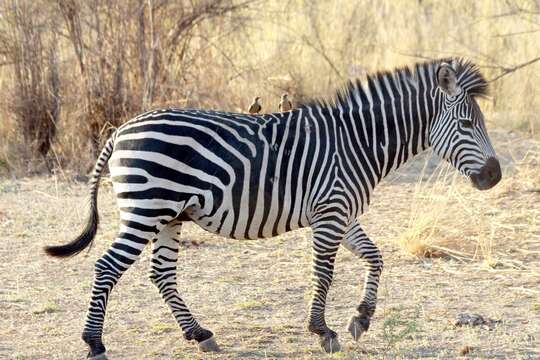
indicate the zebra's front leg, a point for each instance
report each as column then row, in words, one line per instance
column 359, row 244
column 163, row 276
column 327, row 235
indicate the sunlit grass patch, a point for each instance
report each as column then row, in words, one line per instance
column 250, row 305
column 47, row 308
column 398, row 327
column 160, row 327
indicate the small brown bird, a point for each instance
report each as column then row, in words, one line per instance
column 285, row 104
column 255, row 107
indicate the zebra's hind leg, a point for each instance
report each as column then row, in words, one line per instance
column 359, row 244
column 163, row 276
column 327, row 235
column 124, row 251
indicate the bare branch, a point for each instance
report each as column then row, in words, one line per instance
column 515, row 68
column 416, row 56
column 206, row 11
column 323, row 54
column 516, row 33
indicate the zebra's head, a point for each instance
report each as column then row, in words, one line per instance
column 458, row 132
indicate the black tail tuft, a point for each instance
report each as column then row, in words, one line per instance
column 87, row 236
column 81, row 242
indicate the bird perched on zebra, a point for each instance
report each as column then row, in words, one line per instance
column 218, row 170
column 255, row 106
column 285, row 104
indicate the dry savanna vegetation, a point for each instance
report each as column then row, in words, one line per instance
column 72, row 70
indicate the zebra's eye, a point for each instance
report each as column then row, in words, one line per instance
column 467, row 124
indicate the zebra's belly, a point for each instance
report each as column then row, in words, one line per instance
column 247, row 225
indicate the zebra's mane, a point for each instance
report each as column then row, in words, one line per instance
column 469, row 78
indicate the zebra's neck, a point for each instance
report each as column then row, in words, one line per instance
column 384, row 122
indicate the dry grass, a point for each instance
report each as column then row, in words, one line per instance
column 254, row 294
column 217, row 54
column 428, row 217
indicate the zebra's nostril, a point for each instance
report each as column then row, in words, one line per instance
column 493, row 170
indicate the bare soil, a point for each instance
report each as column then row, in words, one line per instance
column 254, row 294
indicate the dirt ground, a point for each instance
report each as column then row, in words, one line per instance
column 254, row 294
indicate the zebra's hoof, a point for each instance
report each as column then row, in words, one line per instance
column 209, row 345
column 357, row 326
column 330, row 343
column 101, row 356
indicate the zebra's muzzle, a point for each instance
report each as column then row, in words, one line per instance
column 488, row 176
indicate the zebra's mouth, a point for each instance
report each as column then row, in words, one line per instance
column 488, row 176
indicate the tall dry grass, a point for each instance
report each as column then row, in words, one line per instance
column 116, row 59
column 449, row 218
column 428, row 214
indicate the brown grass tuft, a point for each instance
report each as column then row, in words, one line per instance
column 425, row 236
column 449, row 218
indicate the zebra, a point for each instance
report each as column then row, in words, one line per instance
column 247, row 176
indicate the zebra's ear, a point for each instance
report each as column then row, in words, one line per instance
column 446, row 79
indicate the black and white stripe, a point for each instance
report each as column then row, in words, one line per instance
column 249, row 177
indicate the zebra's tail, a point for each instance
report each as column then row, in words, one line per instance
column 87, row 236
